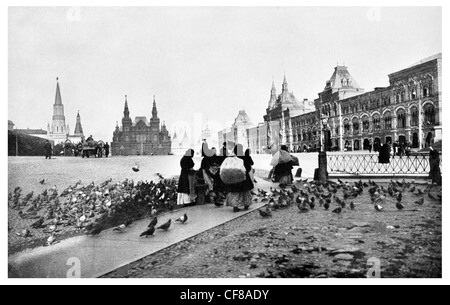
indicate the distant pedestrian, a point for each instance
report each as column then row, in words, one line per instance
column 48, row 150
column 384, row 154
column 106, row 147
column 435, row 170
column 370, row 147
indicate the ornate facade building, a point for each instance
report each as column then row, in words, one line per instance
column 409, row 110
column 278, row 116
column 141, row 137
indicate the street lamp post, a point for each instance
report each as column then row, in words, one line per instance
column 323, row 174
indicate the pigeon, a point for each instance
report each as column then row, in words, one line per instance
column 42, row 181
column 352, row 205
column 265, row 213
column 165, row 226
column 412, row 189
column 25, row 233
column 148, row 232
column 51, row 239
column 128, row 222
column 303, row 208
column 182, row 219
column 96, row 230
column 431, row 196
column 399, row 206
column 38, row 223
column 120, row 228
column 135, row 168
column 420, row 201
column 153, row 222
column 337, row 210
column 326, row 206
column 378, row 207
column 51, row 229
column 399, row 197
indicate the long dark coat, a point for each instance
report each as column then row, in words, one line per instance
column 48, row 148
column 385, row 154
column 187, row 165
column 435, row 170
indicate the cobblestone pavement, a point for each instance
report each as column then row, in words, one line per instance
column 317, row 244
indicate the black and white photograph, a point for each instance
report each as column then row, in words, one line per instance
column 239, row 142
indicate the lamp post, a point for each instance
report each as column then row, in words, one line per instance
column 323, row 174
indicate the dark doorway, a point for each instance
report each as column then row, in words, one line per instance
column 376, row 144
column 415, row 140
column 429, row 139
column 366, row 144
column 388, row 140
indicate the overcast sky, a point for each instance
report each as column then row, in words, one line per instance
column 214, row 61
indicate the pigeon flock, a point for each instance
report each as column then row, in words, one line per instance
column 311, row 195
column 90, row 209
column 93, row 208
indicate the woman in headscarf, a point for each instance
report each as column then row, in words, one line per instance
column 209, row 166
column 239, row 194
column 249, row 160
column 283, row 171
column 186, row 187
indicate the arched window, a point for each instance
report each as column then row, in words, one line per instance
column 376, row 122
column 413, row 94
column 346, row 127
column 414, row 117
column 387, row 121
column 429, row 114
column 425, row 91
column 366, row 124
column 355, row 124
column 401, row 118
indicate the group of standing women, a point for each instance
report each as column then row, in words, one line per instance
column 236, row 195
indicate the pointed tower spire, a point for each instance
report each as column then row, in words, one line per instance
column 59, row 127
column 273, row 95
column 154, row 110
column 126, row 111
column 285, row 85
column 58, row 100
column 78, row 128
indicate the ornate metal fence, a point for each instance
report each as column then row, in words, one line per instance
column 367, row 164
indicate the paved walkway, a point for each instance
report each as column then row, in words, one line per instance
column 99, row 255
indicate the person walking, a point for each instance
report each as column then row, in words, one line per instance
column 106, row 147
column 283, row 170
column 435, row 170
column 239, row 194
column 48, row 150
column 186, row 182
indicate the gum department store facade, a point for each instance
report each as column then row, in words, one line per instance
column 409, row 111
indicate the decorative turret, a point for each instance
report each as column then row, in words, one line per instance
column 78, row 128
column 58, row 120
column 285, row 85
column 273, row 96
column 126, row 111
column 154, row 110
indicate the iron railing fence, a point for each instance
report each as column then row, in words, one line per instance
column 365, row 163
